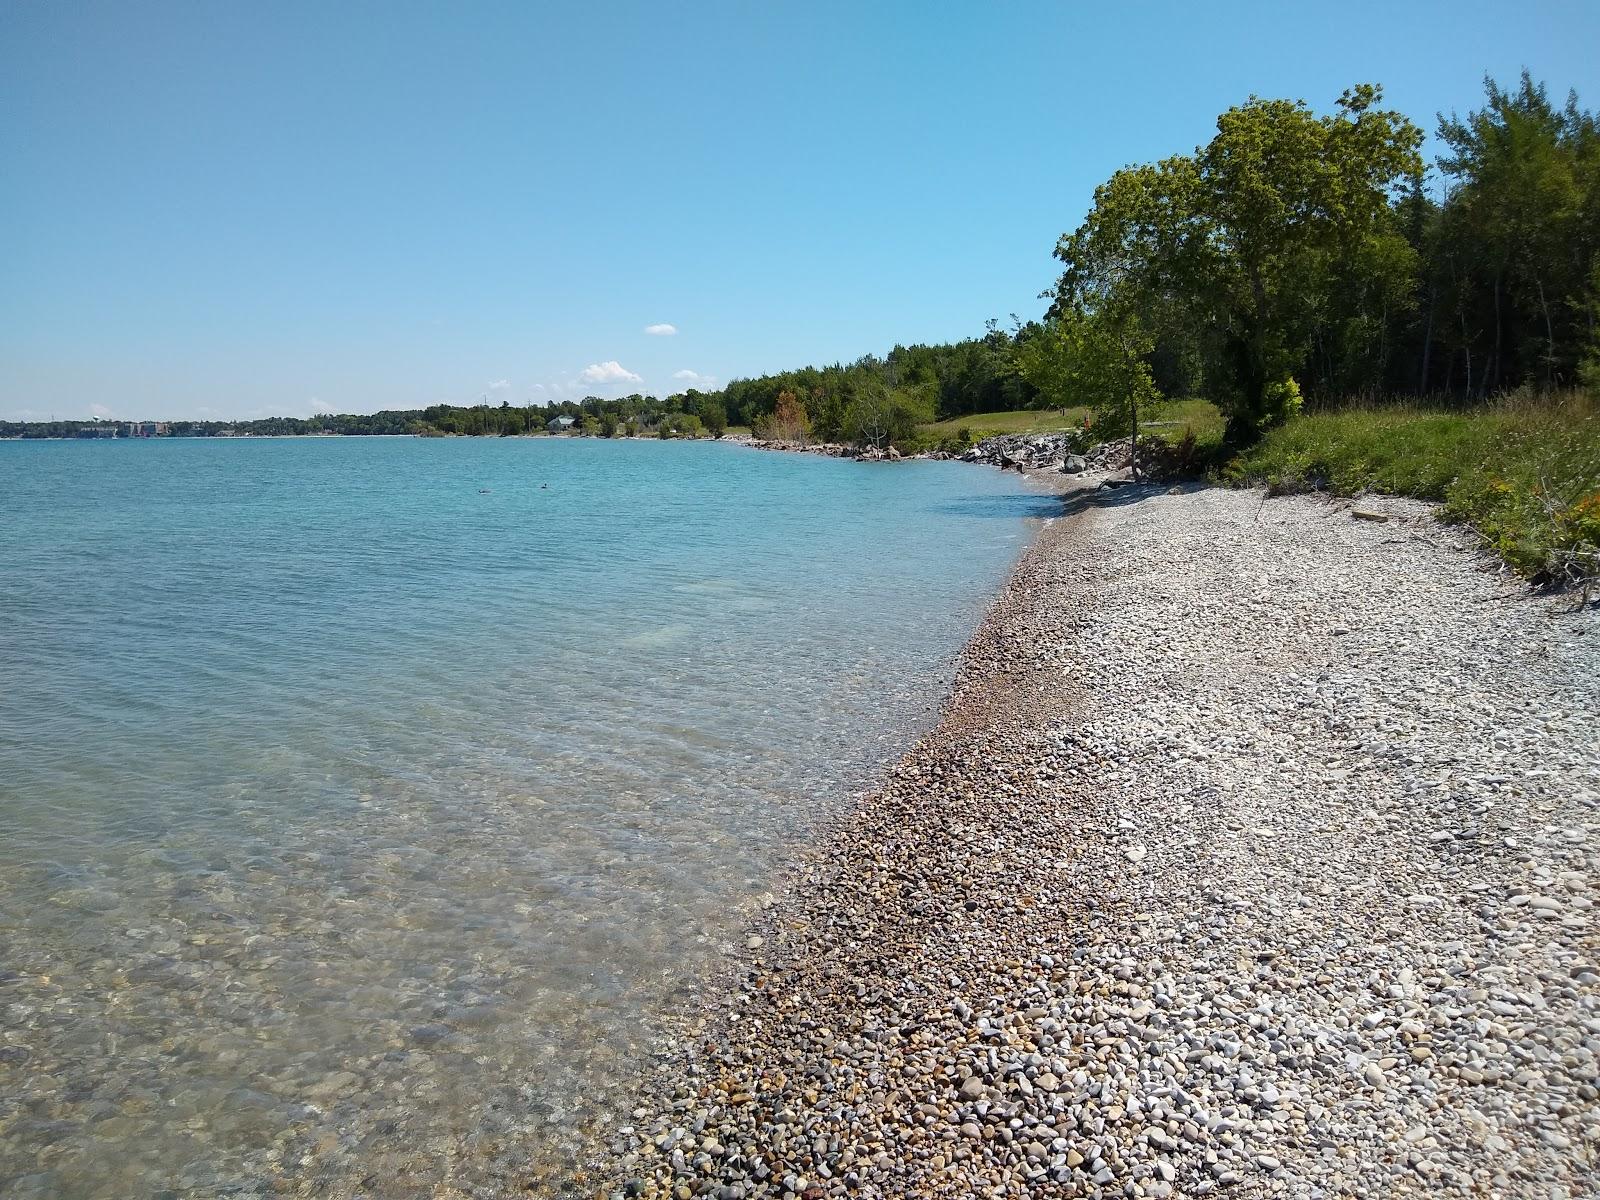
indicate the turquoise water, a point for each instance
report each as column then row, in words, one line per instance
column 364, row 802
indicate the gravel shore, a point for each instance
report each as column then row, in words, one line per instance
column 1255, row 855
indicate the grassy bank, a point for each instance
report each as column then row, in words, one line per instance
column 992, row 424
column 1169, row 420
column 1524, row 472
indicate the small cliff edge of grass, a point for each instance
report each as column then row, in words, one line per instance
column 1524, row 471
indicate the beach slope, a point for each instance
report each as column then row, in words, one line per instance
column 1255, row 855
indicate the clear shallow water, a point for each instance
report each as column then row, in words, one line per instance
column 356, row 824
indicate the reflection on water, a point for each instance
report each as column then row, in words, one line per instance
column 355, row 824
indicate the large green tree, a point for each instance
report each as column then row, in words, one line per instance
column 1246, row 245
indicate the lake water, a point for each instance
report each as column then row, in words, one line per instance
column 364, row 802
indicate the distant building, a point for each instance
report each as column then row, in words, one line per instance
column 97, row 430
column 147, row 429
column 560, row 424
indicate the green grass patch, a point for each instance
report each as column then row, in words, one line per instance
column 992, row 424
column 1172, row 419
column 1168, row 420
column 1524, row 472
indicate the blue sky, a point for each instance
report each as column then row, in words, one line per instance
column 218, row 209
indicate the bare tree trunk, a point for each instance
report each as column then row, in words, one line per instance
column 1427, row 345
column 1133, row 441
column 1383, row 348
column 1491, row 377
column 1549, row 335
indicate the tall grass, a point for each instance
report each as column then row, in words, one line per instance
column 991, row 424
column 1524, row 470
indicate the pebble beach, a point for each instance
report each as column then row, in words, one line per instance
column 1255, row 855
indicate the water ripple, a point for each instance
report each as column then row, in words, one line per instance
column 355, row 825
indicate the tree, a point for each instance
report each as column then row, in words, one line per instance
column 787, row 422
column 1242, row 244
column 880, row 416
column 713, row 414
column 1099, row 360
column 1522, row 231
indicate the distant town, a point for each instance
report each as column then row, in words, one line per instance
column 125, row 429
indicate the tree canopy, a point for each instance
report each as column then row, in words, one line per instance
column 1245, row 249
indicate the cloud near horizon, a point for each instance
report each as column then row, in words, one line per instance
column 695, row 379
column 662, row 330
column 608, row 372
column 499, row 385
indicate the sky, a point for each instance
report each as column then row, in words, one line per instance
column 224, row 210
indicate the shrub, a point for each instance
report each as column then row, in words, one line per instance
column 879, row 417
column 787, row 422
column 1280, row 401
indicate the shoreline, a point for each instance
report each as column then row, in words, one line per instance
column 1188, row 891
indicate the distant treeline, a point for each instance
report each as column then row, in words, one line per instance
column 630, row 414
column 1294, row 256
column 910, row 384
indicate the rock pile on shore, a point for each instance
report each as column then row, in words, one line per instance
column 1256, row 855
column 828, row 449
column 1048, row 451
column 1028, row 451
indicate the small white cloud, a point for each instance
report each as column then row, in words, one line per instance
column 499, row 385
column 662, row 330
column 694, row 379
column 608, row 372
column 101, row 411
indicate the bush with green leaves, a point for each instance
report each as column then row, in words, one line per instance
column 880, row 417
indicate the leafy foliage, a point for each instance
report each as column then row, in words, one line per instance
column 1514, row 278
column 1242, row 251
column 976, row 375
column 1097, row 360
column 880, row 416
column 787, row 422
